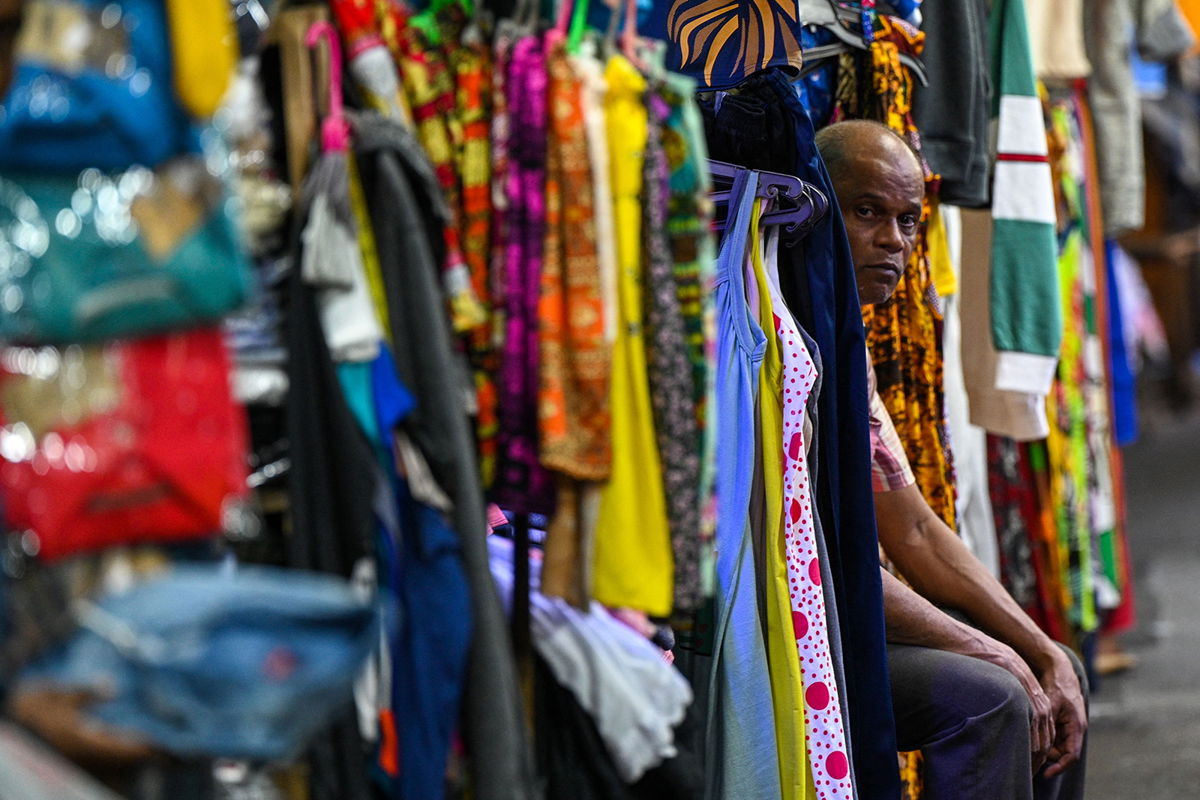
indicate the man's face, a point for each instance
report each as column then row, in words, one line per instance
column 880, row 197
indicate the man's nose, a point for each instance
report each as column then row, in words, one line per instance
column 889, row 237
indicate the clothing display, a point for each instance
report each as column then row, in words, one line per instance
column 764, row 125
column 1111, row 31
column 956, row 144
column 741, row 726
column 1026, row 323
column 520, row 345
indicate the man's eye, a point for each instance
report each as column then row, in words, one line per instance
column 908, row 221
column 864, row 211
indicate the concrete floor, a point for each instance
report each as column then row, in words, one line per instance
column 1145, row 742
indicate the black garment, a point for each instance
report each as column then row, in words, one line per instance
column 970, row 719
column 407, row 215
column 331, row 489
column 764, row 126
column 332, row 480
column 577, row 765
column 952, row 112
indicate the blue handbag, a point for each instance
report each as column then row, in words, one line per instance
column 99, row 256
column 92, row 87
column 206, row 662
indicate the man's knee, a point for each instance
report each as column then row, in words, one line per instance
column 1004, row 695
column 939, row 694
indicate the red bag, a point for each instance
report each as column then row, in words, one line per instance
column 133, row 441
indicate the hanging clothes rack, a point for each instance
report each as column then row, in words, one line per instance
column 842, row 22
column 796, row 205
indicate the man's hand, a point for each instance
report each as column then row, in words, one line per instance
column 1042, row 723
column 1070, row 715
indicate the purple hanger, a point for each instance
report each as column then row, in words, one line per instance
column 795, row 204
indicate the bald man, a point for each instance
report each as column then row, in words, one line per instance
column 995, row 705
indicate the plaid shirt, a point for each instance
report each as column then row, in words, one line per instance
column 890, row 470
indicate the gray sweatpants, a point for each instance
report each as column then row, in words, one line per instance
column 970, row 719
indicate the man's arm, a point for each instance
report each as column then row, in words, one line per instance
column 911, row 619
column 941, row 570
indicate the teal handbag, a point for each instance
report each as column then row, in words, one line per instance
column 101, row 256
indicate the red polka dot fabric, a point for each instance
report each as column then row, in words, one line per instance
column 824, row 734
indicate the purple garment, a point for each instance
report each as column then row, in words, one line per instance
column 501, row 136
column 521, row 483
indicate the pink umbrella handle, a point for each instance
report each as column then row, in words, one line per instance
column 335, row 131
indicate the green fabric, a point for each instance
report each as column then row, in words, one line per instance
column 1011, row 55
column 1072, row 465
column 1026, row 312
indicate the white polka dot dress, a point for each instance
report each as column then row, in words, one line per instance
column 824, row 734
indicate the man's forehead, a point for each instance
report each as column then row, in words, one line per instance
column 884, row 174
column 911, row 197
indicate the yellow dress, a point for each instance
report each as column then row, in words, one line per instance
column 783, row 660
column 941, row 269
column 632, row 563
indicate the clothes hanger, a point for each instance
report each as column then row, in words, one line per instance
column 578, row 26
column 629, row 37
column 839, row 21
column 795, row 204
column 335, row 130
column 608, row 45
column 558, row 32
column 623, row 38
column 527, row 15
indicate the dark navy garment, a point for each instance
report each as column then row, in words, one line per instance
column 764, row 126
column 430, row 660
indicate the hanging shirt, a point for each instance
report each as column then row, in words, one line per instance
column 672, row 392
column 1026, row 321
column 632, row 553
column 591, row 71
column 744, row 728
column 693, row 249
column 828, row 764
column 573, row 373
column 522, row 483
column 787, row 680
column 573, row 416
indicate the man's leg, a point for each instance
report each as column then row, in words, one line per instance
column 969, row 718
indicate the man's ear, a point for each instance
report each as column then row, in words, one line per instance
column 10, row 24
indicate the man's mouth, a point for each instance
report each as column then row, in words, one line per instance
column 892, row 268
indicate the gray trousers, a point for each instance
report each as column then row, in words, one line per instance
column 970, row 719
